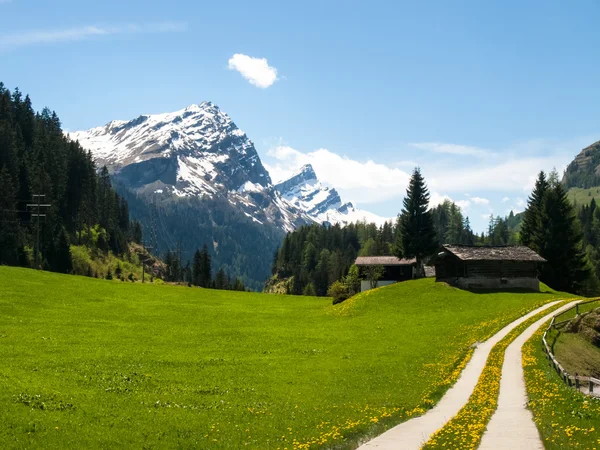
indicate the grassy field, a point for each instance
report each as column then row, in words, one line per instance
column 565, row 418
column 90, row 363
column 583, row 196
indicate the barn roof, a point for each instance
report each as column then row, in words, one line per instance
column 383, row 261
column 489, row 253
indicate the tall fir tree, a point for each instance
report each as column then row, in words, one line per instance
column 205, row 270
column 558, row 239
column 531, row 215
column 417, row 233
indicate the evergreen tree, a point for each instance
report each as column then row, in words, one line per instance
column 418, row 235
column 531, row 216
column 196, row 270
column 204, row 269
column 558, row 239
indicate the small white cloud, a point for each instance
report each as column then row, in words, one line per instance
column 28, row 38
column 480, row 201
column 505, row 199
column 256, row 70
column 451, row 149
column 520, row 202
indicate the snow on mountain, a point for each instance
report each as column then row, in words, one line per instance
column 196, row 151
column 307, row 193
column 199, row 151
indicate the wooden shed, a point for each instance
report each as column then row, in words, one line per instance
column 470, row 267
column 394, row 269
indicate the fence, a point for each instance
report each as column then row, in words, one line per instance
column 576, row 381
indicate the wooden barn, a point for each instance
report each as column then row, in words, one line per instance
column 394, row 269
column 469, row 267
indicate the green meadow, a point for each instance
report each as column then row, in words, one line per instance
column 90, row 363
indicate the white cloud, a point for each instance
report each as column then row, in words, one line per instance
column 360, row 181
column 436, row 199
column 256, row 70
column 508, row 176
column 33, row 37
column 463, row 204
column 505, row 199
column 480, row 201
column 452, row 149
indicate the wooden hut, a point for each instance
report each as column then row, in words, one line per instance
column 394, row 269
column 469, row 267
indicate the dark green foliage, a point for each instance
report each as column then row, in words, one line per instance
column 557, row 237
column 315, row 256
column 417, row 233
column 451, row 226
column 531, row 216
column 10, row 244
column 37, row 158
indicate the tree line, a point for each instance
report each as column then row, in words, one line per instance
column 37, row 159
column 199, row 272
column 313, row 258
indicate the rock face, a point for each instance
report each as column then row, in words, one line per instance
column 584, row 170
column 324, row 205
column 195, row 152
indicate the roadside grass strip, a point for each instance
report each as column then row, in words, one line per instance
column 564, row 417
column 466, row 429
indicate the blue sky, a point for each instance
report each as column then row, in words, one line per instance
column 480, row 95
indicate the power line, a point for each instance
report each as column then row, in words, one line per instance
column 38, row 214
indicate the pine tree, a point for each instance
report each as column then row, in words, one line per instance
column 531, row 216
column 196, row 269
column 418, row 235
column 558, row 239
column 205, row 270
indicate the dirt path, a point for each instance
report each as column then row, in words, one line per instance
column 512, row 426
column 413, row 433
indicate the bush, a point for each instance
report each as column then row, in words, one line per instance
column 131, row 278
column 339, row 292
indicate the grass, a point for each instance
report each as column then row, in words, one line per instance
column 565, row 418
column 90, row 363
column 466, row 429
column 573, row 351
column 582, row 196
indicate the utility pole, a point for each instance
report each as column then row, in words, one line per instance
column 143, row 258
column 36, row 204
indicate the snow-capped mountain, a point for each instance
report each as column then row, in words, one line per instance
column 197, row 151
column 200, row 152
column 322, row 204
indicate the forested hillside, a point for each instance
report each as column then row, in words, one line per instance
column 79, row 206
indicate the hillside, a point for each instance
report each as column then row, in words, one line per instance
column 584, row 171
column 91, row 363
